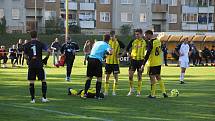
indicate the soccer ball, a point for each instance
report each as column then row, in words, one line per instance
column 73, row 92
column 174, row 93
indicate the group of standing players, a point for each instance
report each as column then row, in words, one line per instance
column 141, row 49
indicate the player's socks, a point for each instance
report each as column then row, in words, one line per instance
column 114, row 88
column 44, row 89
column 32, row 91
column 153, row 89
column 131, row 82
column 182, row 76
column 87, row 86
column 98, row 88
column 162, row 86
column 139, row 88
column 106, row 87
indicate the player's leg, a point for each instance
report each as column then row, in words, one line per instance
column 32, row 78
column 115, row 83
column 69, row 63
column 153, row 86
column 42, row 76
column 107, row 76
column 139, row 78
column 98, row 74
column 98, row 86
column 162, row 86
column 132, row 68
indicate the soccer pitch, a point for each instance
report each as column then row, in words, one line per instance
column 196, row 101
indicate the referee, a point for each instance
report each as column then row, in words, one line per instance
column 94, row 65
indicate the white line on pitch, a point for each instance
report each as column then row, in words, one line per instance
column 54, row 111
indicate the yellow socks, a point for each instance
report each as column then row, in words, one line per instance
column 139, row 88
column 106, row 87
column 153, row 89
column 162, row 87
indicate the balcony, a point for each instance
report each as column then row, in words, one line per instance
column 206, row 9
column 87, row 6
column 159, row 8
column 87, row 24
column 31, row 13
column 71, row 6
column 31, row 3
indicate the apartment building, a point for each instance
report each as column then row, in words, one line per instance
column 14, row 13
column 45, row 10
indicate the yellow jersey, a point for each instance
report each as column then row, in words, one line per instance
column 155, row 57
column 138, row 49
column 113, row 59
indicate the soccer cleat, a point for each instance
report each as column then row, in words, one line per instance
column 44, row 100
column 138, row 94
column 165, row 95
column 182, row 82
column 152, row 97
column 83, row 96
column 113, row 93
column 32, row 101
column 68, row 79
column 130, row 92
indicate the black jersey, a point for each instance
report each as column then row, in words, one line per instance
column 69, row 48
column 33, row 50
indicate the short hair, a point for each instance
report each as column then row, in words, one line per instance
column 139, row 30
column 112, row 33
column 33, row 34
column 149, row 32
column 106, row 37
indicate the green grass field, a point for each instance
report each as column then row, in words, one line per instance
column 196, row 101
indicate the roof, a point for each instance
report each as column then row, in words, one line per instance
column 189, row 38
column 164, row 37
column 174, row 38
column 209, row 38
column 198, row 38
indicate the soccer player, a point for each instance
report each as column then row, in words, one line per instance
column 138, row 47
column 55, row 46
column 112, row 63
column 94, row 65
column 69, row 49
column 184, row 51
column 19, row 47
column 3, row 56
column 33, row 54
column 154, row 58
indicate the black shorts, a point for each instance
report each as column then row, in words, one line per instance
column 109, row 68
column 154, row 70
column 135, row 65
column 33, row 73
column 94, row 68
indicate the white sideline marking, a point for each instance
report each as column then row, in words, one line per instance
column 54, row 111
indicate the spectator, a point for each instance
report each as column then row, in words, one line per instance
column 13, row 55
column 87, row 49
column 213, row 56
column 206, row 54
column 194, row 53
column 20, row 49
column 3, row 56
column 165, row 52
column 23, row 58
column 55, row 46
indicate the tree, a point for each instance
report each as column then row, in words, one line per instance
column 53, row 25
column 74, row 29
column 125, row 29
column 3, row 25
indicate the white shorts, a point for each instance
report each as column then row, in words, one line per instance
column 184, row 64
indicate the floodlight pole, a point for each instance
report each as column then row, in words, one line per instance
column 35, row 16
column 67, row 23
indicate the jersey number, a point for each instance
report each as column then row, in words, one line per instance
column 157, row 51
column 34, row 50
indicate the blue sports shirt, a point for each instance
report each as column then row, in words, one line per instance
column 99, row 49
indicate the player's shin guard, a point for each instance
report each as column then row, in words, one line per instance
column 87, row 86
column 162, row 86
column 44, row 89
column 32, row 91
column 106, row 87
column 114, row 87
column 153, row 89
column 131, row 82
column 139, row 88
column 98, row 88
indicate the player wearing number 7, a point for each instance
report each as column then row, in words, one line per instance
column 154, row 58
column 33, row 54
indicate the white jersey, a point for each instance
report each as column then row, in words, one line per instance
column 184, row 50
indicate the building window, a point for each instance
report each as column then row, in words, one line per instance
column 203, row 3
column 126, row 1
column 156, row 1
column 15, row 13
column 51, row 1
column 143, row 17
column 50, row 15
column 172, row 18
column 1, row 13
column 104, row 16
column 126, row 17
column 211, row 18
column 202, row 18
column 143, row 1
column 190, row 17
column 104, row 1
column 173, row 2
column 189, row 2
